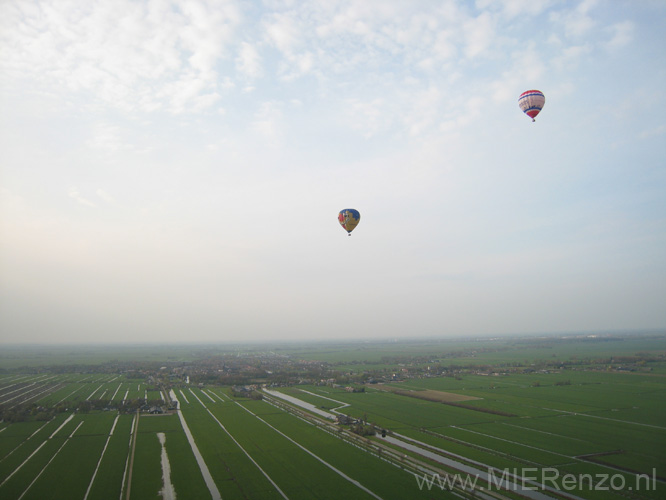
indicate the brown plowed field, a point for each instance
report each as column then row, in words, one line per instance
column 429, row 395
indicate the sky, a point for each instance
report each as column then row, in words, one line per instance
column 172, row 171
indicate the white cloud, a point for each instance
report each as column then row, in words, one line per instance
column 187, row 94
column 248, row 61
column 577, row 22
column 444, row 46
column 654, row 132
column 106, row 137
column 130, row 55
column 209, row 28
column 622, row 35
column 267, row 121
column 105, row 196
column 159, row 56
column 367, row 117
column 424, row 112
column 479, row 35
column 283, row 32
column 514, row 8
column 571, row 56
column 76, row 195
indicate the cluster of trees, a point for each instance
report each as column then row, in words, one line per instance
column 22, row 413
column 257, row 396
column 127, row 406
column 363, row 429
column 30, row 412
column 536, row 383
column 563, row 382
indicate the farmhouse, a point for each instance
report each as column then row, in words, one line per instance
column 346, row 419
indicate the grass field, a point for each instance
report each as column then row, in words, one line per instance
column 552, row 406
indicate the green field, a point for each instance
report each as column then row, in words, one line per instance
column 554, row 407
column 617, row 417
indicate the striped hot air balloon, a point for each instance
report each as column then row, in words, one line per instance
column 531, row 102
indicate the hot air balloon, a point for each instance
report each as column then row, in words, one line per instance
column 531, row 102
column 349, row 219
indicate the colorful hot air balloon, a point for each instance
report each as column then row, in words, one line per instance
column 349, row 219
column 531, row 102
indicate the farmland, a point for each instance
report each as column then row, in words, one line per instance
column 550, row 417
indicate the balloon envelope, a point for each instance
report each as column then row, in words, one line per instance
column 531, row 102
column 349, row 219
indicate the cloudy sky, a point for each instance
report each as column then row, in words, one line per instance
column 173, row 170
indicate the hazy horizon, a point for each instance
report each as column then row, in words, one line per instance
column 596, row 335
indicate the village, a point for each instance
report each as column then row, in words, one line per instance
column 246, row 373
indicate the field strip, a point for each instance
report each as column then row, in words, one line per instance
column 127, row 459
column 341, row 403
column 606, row 418
column 300, row 402
column 62, row 425
column 208, row 396
column 428, row 394
column 25, row 392
column 334, row 469
column 167, row 492
column 208, row 479
column 135, row 428
column 25, row 440
column 68, row 395
column 442, row 458
column 92, row 479
column 113, row 427
column 488, row 473
column 48, row 390
column 49, row 462
column 44, row 378
column 216, row 395
column 93, row 393
column 544, row 432
column 16, row 390
column 389, row 457
column 14, row 381
column 539, row 449
column 475, row 445
column 114, row 394
column 509, row 441
column 241, row 448
column 24, row 462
